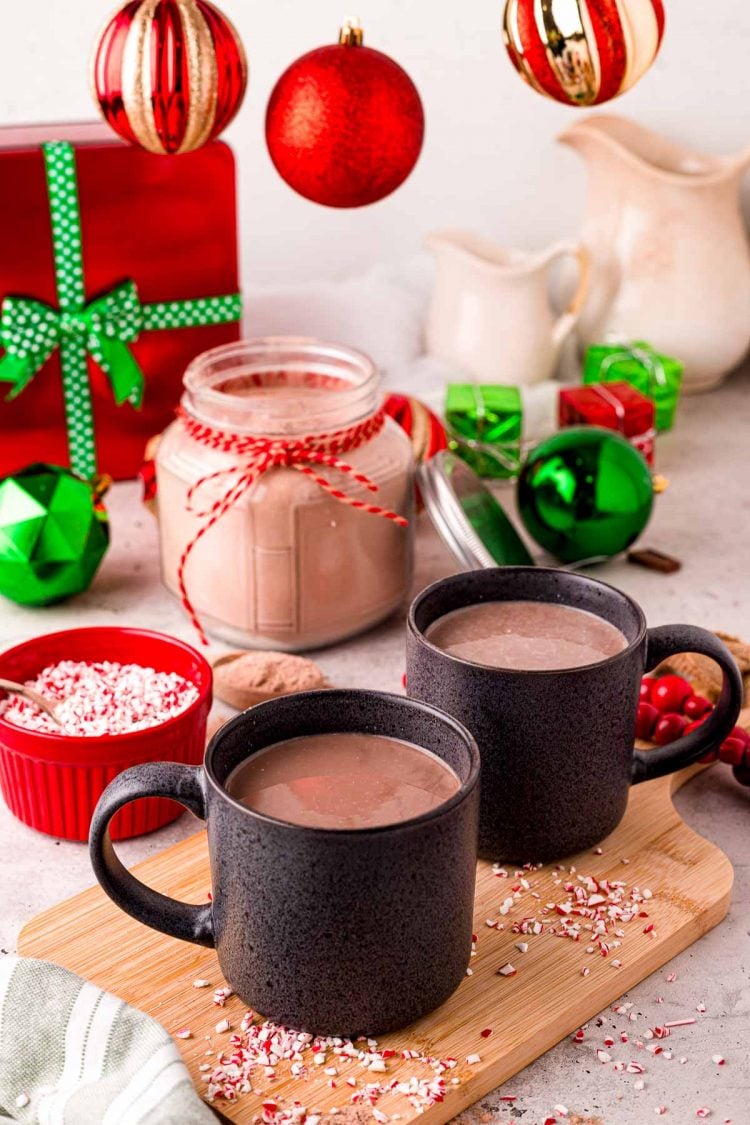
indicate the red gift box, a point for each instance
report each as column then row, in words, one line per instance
column 168, row 224
column 615, row 406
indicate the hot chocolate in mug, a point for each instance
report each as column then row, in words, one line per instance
column 336, row 931
column 557, row 742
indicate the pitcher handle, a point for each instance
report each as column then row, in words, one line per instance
column 568, row 319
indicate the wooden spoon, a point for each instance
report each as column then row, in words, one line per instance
column 33, row 696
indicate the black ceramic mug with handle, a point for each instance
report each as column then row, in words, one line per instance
column 557, row 747
column 333, row 931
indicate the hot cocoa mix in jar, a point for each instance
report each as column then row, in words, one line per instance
column 285, row 495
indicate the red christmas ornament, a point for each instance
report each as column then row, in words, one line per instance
column 344, row 124
column 583, row 53
column 169, row 75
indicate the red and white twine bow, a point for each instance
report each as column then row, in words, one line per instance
column 259, row 454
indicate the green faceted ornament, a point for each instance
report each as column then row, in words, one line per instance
column 585, row 492
column 54, row 532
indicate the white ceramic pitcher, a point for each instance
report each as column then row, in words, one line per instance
column 670, row 262
column 491, row 314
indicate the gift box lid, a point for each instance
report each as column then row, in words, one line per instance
column 468, row 518
column 76, row 133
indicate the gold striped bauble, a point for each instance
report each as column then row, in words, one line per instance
column 583, row 52
column 169, row 75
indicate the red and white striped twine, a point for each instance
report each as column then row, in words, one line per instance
column 261, row 454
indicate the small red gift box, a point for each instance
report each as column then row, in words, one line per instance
column 615, row 406
column 156, row 233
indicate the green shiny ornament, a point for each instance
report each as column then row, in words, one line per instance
column 54, row 532
column 585, row 492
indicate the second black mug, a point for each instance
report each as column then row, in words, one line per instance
column 557, row 747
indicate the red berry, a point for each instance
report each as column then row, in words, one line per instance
column 742, row 773
column 668, row 727
column 732, row 751
column 696, row 705
column 646, row 717
column 646, row 684
column 670, row 692
column 712, row 755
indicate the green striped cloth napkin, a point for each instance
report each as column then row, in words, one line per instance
column 71, row 1054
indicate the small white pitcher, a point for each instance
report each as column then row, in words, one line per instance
column 491, row 314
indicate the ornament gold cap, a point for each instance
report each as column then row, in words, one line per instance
column 351, row 34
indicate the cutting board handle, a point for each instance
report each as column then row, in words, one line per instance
column 168, row 915
column 665, row 641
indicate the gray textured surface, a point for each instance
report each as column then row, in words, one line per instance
column 704, row 518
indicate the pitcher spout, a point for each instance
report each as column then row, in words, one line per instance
column 606, row 137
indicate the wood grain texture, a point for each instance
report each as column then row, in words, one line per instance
column 691, row 881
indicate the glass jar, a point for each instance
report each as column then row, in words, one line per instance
column 286, row 565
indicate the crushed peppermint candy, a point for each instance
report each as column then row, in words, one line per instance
column 102, row 698
column 257, row 1048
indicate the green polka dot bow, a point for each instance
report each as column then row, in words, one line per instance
column 30, row 330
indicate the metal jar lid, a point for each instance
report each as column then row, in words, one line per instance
column 468, row 518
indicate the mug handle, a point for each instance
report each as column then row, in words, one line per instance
column 154, row 779
column 664, row 641
column 568, row 319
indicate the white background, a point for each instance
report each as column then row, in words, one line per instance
column 489, row 162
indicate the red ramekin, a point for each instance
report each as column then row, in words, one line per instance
column 52, row 781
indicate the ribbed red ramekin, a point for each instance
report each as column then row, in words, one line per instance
column 52, row 782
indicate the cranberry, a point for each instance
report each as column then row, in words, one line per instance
column 740, row 732
column 732, row 751
column 695, row 706
column 668, row 727
column 742, row 773
column 670, row 692
column 646, row 684
column 712, row 755
column 645, row 720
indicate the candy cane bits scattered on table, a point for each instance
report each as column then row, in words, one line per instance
column 590, row 910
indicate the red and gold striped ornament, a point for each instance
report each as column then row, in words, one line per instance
column 423, row 428
column 169, row 75
column 583, row 52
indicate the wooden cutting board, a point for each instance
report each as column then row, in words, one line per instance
column 528, row 1013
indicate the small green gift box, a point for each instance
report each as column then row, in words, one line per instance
column 484, row 425
column 657, row 376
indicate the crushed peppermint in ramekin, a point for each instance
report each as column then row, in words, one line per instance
column 101, row 698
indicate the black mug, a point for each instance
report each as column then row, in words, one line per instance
column 557, row 747
column 334, row 931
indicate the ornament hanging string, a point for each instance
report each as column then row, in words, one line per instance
column 30, row 330
column 262, row 454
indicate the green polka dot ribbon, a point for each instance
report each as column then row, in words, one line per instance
column 30, row 330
